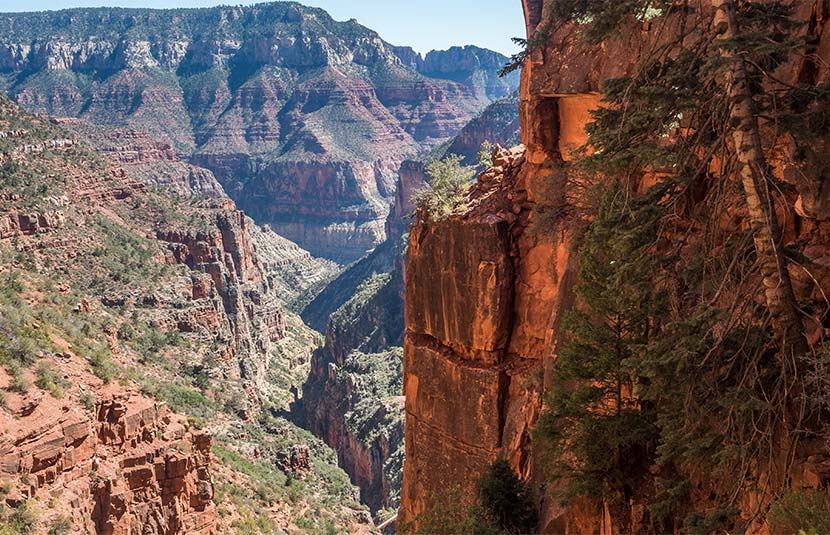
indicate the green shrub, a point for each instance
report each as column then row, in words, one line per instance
column 806, row 511
column 485, row 154
column 180, row 398
column 87, row 399
column 448, row 184
column 19, row 383
column 102, row 366
column 60, row 525
column 21, row 520
column 49, row 379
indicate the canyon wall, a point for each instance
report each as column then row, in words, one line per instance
column 478, row 328
column 303, row 119
column 242, row 275
column 486, row 292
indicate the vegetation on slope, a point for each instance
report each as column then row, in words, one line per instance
column 92, row 286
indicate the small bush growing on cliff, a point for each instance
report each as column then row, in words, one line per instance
column 49, row 379
column 61, row 525
column 20, row 520
column 485, row 154
column 448, row 183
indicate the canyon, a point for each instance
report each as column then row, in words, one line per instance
column 225, row 308
column 303, row 120
column 190, row 329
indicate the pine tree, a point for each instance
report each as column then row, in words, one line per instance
column 600, row 431
column 505, row 500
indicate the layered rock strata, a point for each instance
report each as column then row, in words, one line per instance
column 485, row 296
column 150, row 473
column 303, row 119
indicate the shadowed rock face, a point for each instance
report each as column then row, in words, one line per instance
column 304, row 120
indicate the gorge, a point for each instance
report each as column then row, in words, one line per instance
column 247, row 287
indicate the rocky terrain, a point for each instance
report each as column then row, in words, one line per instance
column 303, row 120
column 487, row 291
column 352, row 398
column 147, row 341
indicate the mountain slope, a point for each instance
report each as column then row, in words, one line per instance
column 140, row 325
column 303, row 119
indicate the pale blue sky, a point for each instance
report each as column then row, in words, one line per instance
column 421, row 24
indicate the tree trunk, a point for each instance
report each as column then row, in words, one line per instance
column 786, row 321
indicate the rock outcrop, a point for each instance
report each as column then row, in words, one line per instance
column 485, row 297
column 149, row 472
column 304, row 120
column 472, row 367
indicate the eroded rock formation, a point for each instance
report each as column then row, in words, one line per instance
column 303, row 119
column 485, row 296
column 149, row 471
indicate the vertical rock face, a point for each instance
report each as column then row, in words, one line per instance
column 472, row 357
column 485, row 293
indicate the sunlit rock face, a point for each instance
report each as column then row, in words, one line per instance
column 485, row 294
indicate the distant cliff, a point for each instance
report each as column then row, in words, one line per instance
column 304, row 120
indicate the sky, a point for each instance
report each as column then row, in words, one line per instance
column 422, row 24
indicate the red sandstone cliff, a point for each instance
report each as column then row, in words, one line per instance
column 484, row 296
column 127, row 464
